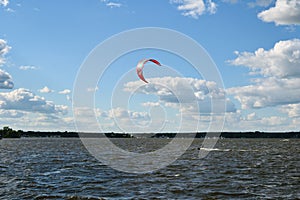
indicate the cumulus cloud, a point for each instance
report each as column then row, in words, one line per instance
column 173, row 91
column 211, row 7
column 279, row 67
column 117, row 113
column 151, row 104
column 125, row 120
column 111, row 4
column 39, row 121
column 268, row 92
column 285, row 12
column 283, row 60
column 65, row 91
column 4, row 3
column 195, row 8
column 5, row 80
column 11, row 114
column 114, row 119
column 24, row 100
column 293, row 110
column 4, row 49
column 274, row 121
column 123, row 114
column 83, row 116
column 46, row 90
column 253, row 122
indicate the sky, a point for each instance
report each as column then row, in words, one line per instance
column 254, row 44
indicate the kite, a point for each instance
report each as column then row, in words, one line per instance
column 140, row 66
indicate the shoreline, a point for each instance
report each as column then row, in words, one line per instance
column 66, row 134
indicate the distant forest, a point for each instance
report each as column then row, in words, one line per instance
column 7, row 132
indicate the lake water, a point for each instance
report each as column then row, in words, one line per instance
column 56, row 168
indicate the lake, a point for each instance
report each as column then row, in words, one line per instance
column 61, row 168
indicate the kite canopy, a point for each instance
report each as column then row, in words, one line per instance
column 140, row 66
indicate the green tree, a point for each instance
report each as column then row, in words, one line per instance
column 8, row 132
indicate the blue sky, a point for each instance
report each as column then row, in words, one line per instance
column 255, row 45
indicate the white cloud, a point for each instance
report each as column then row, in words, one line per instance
column 114, row 119
column 24, row 100
column 253, row 122
column 150, row 104
column 5, row 80
column 293, row 110
column 274, row 121
column 175, row 89
column 268, row 92
column 28, row 67
column 281, row 76
column 46, row 90
column 285, row 12
column 11, row 114
column 38, row 121
column 185, row 91
column 277, row 87
column 195, row 8
column 83, row 116
column 283, row 60
column 4, row 49
column 251, row 116
column 65, row 91
column 4, row 3
column 111, row 4
column 124, row 114
column 121, row 119
column 211, row 7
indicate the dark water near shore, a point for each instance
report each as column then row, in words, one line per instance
column 56, row 168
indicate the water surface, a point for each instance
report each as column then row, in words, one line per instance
column 57, row 168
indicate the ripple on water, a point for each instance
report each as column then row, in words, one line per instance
column 56, row 168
